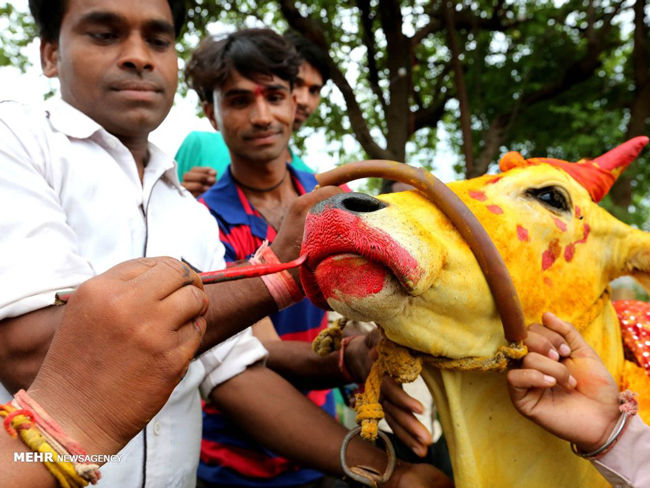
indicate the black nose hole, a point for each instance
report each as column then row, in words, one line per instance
column 361, row 203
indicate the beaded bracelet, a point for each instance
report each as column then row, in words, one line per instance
column 628, row 408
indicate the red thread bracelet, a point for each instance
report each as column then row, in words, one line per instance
column 281, row 286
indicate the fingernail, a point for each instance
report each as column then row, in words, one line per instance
column 549, row 380
column 197, row 326
column 424, row 440
column 553, row 355
column 572, row 381
column 565, row 350
column 418, row 450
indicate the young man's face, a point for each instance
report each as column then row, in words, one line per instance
column 255, row 117
column 307, row 90
column 116, row 62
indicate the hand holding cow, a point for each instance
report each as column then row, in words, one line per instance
column 399, row 407
column 563, row 385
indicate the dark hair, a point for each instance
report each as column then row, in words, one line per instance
column 254, row 53
column 310, row 53
column 48, row 15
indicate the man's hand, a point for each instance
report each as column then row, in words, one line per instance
column 287, row 243
column 408, row 475
column 199, row 179
column 125, row 342
column 399, row 407
column 563, row 385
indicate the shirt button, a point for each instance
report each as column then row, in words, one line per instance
column 156, row 427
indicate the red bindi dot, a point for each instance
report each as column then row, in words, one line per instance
column 259, row 90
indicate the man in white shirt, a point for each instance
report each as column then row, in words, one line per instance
column 87, row 190
column 83, row 189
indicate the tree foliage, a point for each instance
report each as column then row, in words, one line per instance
column 567, row 78
column 16, row 31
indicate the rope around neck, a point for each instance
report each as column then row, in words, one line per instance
column 404, row 365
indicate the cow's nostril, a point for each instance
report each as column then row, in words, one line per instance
column 361, row 203
column 349, row 202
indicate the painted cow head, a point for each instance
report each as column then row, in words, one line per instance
column 397, row 259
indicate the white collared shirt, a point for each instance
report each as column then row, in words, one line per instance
column 73, row 206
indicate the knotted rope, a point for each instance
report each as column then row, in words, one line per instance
column 404, row 365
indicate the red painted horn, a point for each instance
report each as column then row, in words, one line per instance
column 596, row 175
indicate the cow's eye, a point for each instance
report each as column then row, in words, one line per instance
column 551, row 196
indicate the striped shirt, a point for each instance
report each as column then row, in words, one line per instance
column 227, row 456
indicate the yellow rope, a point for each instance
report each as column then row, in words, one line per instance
column 404, row 366
column 329, row 340
column 499, row 362
column 394, row 361
column 63, row 471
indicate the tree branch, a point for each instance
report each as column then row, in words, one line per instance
column 461, row 90
column 313, row 31
column 579, row 71
column 398, row 57
column 368, row 38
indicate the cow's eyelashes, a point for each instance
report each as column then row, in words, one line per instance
column 552, row 197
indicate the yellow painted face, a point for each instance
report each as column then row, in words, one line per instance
column 398, row 261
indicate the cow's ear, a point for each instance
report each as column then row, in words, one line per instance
column 637, row 261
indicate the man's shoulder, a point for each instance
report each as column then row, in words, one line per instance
column 13, row 111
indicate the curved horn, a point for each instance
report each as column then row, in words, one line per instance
column 619, row 158
column 488, row 257
column 598, row 175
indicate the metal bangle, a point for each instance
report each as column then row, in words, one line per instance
column 365, row 475
column 618, row 428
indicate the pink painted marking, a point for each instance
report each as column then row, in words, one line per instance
column 560, row 224
column 548, row 281
column 493, row 180
column 578, row 213
column 550, row 255
column 569, row 251
column 477, row 195
column 495, row 209
column 522, row 233
column 587, row 229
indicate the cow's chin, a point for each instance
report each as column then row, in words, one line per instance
column 358, row 288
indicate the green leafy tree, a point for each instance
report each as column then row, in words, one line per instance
column 16, row 31
column 567, row 79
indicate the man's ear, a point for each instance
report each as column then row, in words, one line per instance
column 208, row 110
column 50, row 58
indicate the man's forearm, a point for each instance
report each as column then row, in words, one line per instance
column 302, row 367
column 270, row 410
column 234, row 306
column 24, row 341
